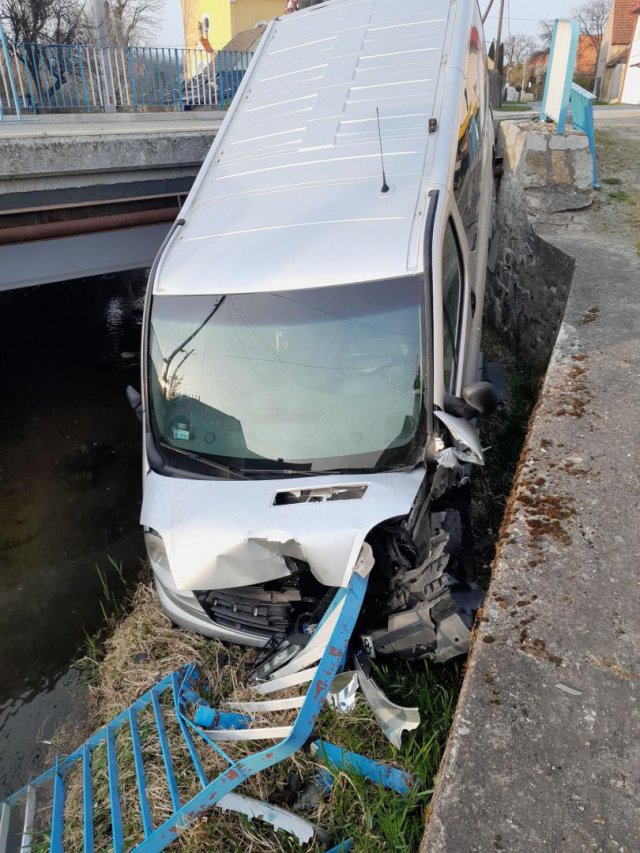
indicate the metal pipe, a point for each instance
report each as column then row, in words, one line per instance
column 90, row 225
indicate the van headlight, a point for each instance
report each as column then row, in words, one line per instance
column 156, row 552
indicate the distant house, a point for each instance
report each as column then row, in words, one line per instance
column 616, row 47
column 210, row 24
column 586, row 63
column 631, row 83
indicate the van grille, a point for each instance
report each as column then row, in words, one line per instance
column 252, row 609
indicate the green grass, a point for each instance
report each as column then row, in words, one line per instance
column 515, row 108
column 623, row 197
column 115, row 603
column 605, row 142
column 504, row 435
column 614, row 182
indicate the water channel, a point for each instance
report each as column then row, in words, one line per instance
column 70, row 488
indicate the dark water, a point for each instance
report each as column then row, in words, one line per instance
column 70, row 488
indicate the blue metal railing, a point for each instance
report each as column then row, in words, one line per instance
column 582, row 119
column 66, row 78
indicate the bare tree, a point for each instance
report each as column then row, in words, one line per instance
column 53, row 22
column 592, row 19
column 546, row 31
column 49, row 21
column 132, row 21
column 518, row 47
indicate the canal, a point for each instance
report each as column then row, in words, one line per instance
column 70, row 489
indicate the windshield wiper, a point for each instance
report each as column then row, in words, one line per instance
column 187, row 340
column 335, row 472
column 286, row 472
column 218, row 466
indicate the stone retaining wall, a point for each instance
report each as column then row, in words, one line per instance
column 545, row 175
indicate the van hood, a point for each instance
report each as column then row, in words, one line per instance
column 221, row 534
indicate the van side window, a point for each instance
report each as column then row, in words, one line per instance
column 452, row 283
column 468, row 172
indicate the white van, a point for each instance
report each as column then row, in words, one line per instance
column 311, row 336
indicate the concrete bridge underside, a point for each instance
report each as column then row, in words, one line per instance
column 81, row 198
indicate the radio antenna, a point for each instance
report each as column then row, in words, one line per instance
column 385, row 185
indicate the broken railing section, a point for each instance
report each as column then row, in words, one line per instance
column 317, row 664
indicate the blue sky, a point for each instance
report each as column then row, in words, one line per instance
column 523, row 16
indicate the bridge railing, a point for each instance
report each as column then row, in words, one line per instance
column 70, row 78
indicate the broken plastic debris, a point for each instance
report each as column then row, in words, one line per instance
column 465, row 435
column 279, row 818
column 342, row 694
column 451, row 457
column 338, row 759
column 393, row 719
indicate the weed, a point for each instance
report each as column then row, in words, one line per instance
column 605, row 142
column 614, row 182
column 515, row 108
column 622, row 196
column 503, row 434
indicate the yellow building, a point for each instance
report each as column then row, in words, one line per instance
column 211, row 24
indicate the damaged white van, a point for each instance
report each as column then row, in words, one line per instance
column 311, row 336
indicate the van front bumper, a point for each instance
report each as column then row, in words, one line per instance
column 183, row 609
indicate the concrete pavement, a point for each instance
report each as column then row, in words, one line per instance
column 544, row 753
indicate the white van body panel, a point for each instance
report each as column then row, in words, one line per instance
column 222, row 534
column 292, row 183
column 289, row 197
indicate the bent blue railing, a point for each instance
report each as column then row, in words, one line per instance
column 582, row 119
column 340, row 618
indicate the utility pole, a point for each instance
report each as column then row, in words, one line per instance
column 496, row 80
column 499, row 55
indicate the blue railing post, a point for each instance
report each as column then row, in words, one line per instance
column 134, row 88
column 178, row 81
column 145, row 65
column 47, row 56
column 582, row 119
column 7, row 62
column 84, row 81
column 32, row 95
column 36, row 68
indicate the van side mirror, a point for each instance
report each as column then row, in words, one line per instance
column 482, row 397
column 135, row 401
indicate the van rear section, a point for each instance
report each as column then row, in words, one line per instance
column 311, row 334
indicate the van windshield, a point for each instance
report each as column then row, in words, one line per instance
column 306, row 380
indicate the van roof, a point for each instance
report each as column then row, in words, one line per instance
column 290, row 195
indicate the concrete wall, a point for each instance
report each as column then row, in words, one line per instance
column 528, row 281
column 631, row 87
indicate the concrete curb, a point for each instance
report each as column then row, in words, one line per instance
column 543, row 753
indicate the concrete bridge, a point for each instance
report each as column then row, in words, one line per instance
column 88, row 195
